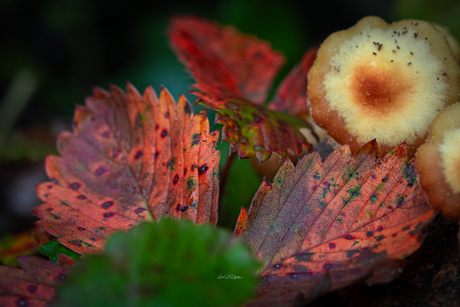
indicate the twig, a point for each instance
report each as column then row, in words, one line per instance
column 224, row 174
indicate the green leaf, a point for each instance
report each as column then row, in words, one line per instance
column 52, row 248
column 169, row 263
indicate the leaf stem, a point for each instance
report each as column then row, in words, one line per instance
column 224, row 174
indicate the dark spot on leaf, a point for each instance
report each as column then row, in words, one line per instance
column 49, row 186
column 106, row 134
column 406, row 227
column 327, row 266
column 99, row 229
column 294, row 276
column 373, row 198
column 156, row 127
column 400, row 201
column 354, row 192
column 107, row 204
column 138, row 154
column 184, row 208
column 81, row 197
column 64, row 203
column 316, row 175
column 394, row 235
column 379, row 238
column 75, row 186
column 331, row 245
column 81, row 228
column 60, row 277
column 164, row 133
column 179, row 207
column 385, row 179
column 196, row 139
column 156, row 154
column 139, row 210
column 171, row 163
column 176, row 179
column 352, row 252
column 22, row 302
column 109, row 214
column 202, row 170
column 380, row 228
column 115, row 153
column 194, row 166
column 304, row 256
column 190, row 183
column 370, row 233
column 322, row 203
column 99, row 171
column 49, row 209
column 75, row 242
column 417, row 230
column 167, row 114
column 188, row 108
column 32, row 288
column 349, row 237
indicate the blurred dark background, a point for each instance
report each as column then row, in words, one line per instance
column 53, row 52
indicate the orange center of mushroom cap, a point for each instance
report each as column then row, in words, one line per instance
column 385, row 87
column 450, row 155
column 380, row 89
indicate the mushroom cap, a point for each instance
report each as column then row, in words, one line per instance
column 383, row 81
column 438, row 163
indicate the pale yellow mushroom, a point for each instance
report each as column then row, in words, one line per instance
column 438, row 163
column 383, row 81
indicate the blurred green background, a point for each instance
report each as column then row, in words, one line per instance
column 53, row 52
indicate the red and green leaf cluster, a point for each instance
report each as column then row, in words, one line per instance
column 234, row 73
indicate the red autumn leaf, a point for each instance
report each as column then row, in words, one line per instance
column 322, row 225
column 226, row 65
column 130, row 158
column 234, row 73
column 34, row 284
column 291, row 96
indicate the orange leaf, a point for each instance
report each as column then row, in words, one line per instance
column 34, row 284
column 130, row 158
column 322, row 225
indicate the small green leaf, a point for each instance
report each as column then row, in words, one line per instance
column 169, row 263
column 52, row 248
